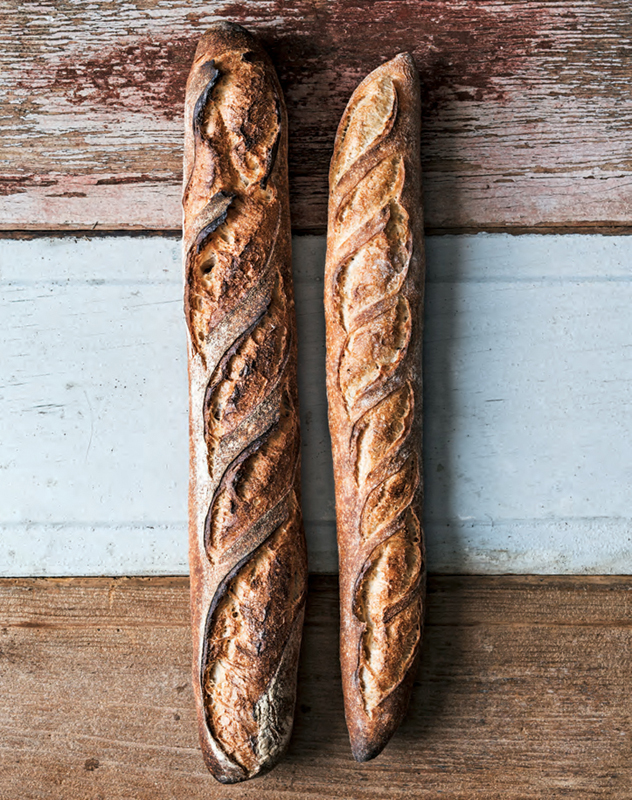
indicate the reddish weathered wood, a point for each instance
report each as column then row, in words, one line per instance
column 523, row 693
column 527, row 109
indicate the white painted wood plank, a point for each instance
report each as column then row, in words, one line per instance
column 528, row 381
column 528, row 389
column 95, row 407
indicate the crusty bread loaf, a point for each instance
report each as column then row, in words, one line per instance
column 246, row 541
column 373, row 305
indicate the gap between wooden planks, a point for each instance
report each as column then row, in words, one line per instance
column 524, row 692
column 526, row 106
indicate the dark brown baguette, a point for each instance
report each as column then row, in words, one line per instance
column 246, row 542
column 374, row 285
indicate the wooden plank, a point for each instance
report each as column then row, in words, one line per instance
column 523, row 693
column 527, row 431
column 526, row 106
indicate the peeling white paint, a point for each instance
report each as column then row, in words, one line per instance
column 528, row 438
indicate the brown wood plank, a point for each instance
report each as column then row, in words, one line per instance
column 524, row 692
column 527, row 109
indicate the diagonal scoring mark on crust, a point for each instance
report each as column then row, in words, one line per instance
column 249, row 371
column 218, row 282
column 372, row 274
column 237, row 129
column 376, row 269
column 381, row 431
column 275, row 147
column 211, row 74
column 199, row 110
column 243, row 668
column 373, row 242
column 259, row 478
column 390, row 498
column 239, row 314
column 374, row 352
column 373, row 191
column 219, row 205
column 367, row 122
column 388, row 603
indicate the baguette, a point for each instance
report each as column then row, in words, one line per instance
column 374, row 283
column 246, row 542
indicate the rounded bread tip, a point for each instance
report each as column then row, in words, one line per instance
column 223, row 773
column 226, row 25
column 224, row 34
column 405, row 59
column 363, row 749
column 229, row 780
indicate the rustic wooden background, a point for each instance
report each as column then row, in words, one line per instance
column 527, row 108
column 524, row 689
column 524, row 692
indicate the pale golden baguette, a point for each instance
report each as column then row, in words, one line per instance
column 246, row 541
column 374, row 284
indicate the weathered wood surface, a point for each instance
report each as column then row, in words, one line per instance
column 527, row 109
column 524, row 692
column 528, row 387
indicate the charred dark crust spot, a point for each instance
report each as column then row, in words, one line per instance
column 219, row 196
column 199, row 109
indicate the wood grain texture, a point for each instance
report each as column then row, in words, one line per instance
column 526, row 106
column 523, row 693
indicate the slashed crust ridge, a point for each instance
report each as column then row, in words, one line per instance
column 373, row 307
column 246, row 541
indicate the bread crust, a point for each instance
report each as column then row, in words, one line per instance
column 374, row 284
column 246, row 543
